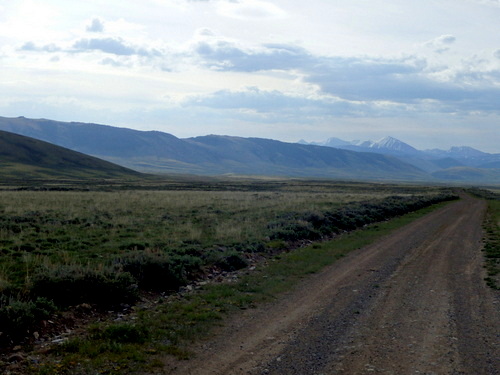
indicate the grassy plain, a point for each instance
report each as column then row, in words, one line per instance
column 112, row 245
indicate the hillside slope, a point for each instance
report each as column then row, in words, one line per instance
column 266, row 156
column 25, row 157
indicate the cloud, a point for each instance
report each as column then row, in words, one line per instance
column 249, row 98
column 112, row 62
column 115, row 46
column 252, row 103
column 30, row 46
column 97, row 26
column 495, row 3
column 440, row 44
column 249, row 9
column 227, row 56
column 405, row 80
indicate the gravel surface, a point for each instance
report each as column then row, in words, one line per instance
column 413, row 302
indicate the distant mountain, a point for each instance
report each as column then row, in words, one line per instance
column 390, row 144
column 468, row 156
column 431, row 161
column 162, row 152
column 330, row 142
column 387, row 145
column 28, row 158
column 265, row 156
column 462, row 152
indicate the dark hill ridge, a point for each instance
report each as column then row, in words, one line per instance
column 25, row 157
column 162, row 152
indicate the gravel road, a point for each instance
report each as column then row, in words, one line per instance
column 414, row 302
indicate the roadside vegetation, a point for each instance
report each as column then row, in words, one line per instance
column 131, row 249
column 492, row 235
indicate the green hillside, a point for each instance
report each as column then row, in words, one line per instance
column 27, row 158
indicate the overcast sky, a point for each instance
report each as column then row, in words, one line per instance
column 426, row 72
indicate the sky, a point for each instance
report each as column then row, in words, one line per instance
column 426, row 72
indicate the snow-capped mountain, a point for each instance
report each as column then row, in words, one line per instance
column 393, row 144
column 385, row 145
column 330, row 142
column 428, row 160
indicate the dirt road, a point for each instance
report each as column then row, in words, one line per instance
column 413, row 303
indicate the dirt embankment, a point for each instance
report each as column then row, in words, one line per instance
column 414, row 302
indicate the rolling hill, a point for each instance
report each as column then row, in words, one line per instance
column 23, row 157
column 152, row 151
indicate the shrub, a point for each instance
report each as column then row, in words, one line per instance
column 156, row 271
column 74, row 284
column 17, row 317
column 293, row 231
column 122, row 333
column 231, row 262
column 312, row 225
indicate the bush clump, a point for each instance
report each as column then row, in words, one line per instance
column 158, row 271
column 122, row 333
column 231, row 262
column 314, row 225
column 73, row 284
column 17, row 316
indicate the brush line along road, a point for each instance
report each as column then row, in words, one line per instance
column 414, row 302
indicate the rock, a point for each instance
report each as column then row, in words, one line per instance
column 84, row 307
column 15, row 357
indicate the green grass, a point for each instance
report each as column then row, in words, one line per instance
column 492, row 244
column 50, row 229
column 173, row 325
column 491, row 226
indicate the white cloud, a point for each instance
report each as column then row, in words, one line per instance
column 96, row 26
column 31, row 20
column 249, row 9
column 441, row 44
column 114, row 46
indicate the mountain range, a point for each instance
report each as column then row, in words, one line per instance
column 433, row 161
column 159, row 152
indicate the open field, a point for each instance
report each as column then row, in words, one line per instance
column 106, row 246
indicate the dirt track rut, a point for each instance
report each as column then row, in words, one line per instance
column 413, row 302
